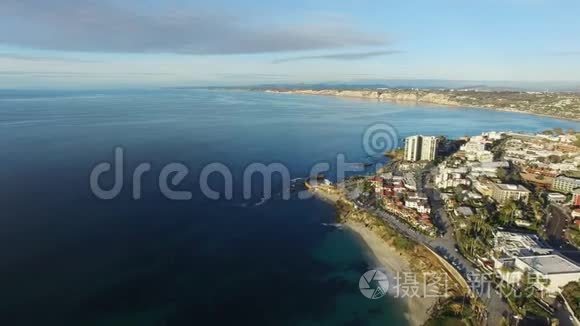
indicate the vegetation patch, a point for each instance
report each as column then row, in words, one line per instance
column 571, row 293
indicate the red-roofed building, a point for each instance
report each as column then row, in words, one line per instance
column 576, row 198
column 388, row 192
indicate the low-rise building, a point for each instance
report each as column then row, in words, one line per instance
column 517, row 254
column 504, row 192
column 512, row 244
column 451, row 177
column 418, row 202
column 562, row 167
column 576, row 198
column 475, row 144
column 475, row 150
column 522, row 223
column 556, row 197
column 493, row 135
column 474, row 195
column 409, row 181
column 565, row 184
column 549, row 273
column 488, row 169
column 463, row 211
column 484, row 187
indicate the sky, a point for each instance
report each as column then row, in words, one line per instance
column 113, row 43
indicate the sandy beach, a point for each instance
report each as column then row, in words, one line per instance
column 394, row 262
column 387, row 257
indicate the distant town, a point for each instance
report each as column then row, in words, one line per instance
column 502, row 204
column 564, row 105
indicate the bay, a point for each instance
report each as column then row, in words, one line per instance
column 69, row 258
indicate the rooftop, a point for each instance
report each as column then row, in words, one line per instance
column 551, row 264
column 568, row 179
column 464, row 210
column 511, row 187
column 520, row 244
column 556, row 195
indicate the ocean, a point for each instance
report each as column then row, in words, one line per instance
column 70, row 258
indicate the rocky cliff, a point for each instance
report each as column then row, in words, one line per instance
column 559, row 105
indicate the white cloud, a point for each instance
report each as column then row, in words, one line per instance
column 101, row 26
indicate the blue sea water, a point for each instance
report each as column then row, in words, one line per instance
column 69, row 258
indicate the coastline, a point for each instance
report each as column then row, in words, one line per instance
column 420, row 101
column 388, row 257
column 394, row 262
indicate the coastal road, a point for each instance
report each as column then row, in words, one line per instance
column 558, row 220
column 564, row 317
column 556, row 225
column 496, row 306
column 446, row 246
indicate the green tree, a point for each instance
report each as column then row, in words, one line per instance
column 571, row 293
column 526, row 291
column 502, row 173
column 507, row 213
column 507, row 269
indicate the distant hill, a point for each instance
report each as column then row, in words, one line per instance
column 564, row 105
column 434, row 84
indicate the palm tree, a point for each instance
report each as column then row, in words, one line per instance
column 478, row 308
column 475, row 224
column 506, row 269
column 471, row 245
column 456, row 308
column 480, row 228
column 486, row 232
column 508, row 212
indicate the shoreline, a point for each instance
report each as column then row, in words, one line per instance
column 386, row 256
column 394, row 262
column 447, row 105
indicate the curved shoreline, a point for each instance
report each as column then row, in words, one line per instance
column 417, row 101
column 390, row 259
column 393, row 262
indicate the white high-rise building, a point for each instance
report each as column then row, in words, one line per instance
column 429, row 148
column 420, row 148
column 413, row 148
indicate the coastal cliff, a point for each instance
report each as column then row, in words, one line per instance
column 558, row 105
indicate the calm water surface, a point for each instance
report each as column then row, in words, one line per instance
column 68, row 258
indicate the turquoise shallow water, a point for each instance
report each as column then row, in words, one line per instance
column 76, row 260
